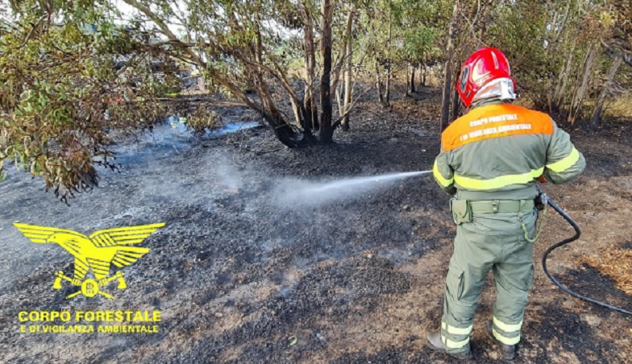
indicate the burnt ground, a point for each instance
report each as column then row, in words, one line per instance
column 242, row 277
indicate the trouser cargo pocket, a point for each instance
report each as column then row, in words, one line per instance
column 461, row 211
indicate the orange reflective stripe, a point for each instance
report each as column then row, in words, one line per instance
column 495, row 121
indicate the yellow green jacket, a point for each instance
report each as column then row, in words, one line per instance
column 498, row 151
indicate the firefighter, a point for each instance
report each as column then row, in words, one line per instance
column 490, row 161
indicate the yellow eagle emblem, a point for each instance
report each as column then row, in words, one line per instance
column 97, row 252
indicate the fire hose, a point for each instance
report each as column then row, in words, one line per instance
column 547, row 200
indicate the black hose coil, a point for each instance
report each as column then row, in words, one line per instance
column 564, row 242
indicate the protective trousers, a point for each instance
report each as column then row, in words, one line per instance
column 490, row 241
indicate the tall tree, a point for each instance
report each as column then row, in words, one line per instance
column 326, row 130
column 236, row 44
column 447, row 78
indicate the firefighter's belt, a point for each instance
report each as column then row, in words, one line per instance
column 496, row 206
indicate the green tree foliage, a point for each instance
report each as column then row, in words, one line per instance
column 519, row 29
column 421, row 25
column 70, row 71
column 68, row 75
column 556, row 49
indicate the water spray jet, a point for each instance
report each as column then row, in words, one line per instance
column 361, row 181
column 314, row 193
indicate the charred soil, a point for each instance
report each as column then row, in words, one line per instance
column 240, row 278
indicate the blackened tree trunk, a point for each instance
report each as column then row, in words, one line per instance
column 455, row 94
column 326, row 130
column 447, row 80
column 310, row 119
column 455, row 104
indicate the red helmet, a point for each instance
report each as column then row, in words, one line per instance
column 484, row 66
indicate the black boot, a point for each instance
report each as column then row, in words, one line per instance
column 434, row 339
column 508, row 351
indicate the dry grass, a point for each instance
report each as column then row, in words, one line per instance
column 620, row 107
column 616, row 263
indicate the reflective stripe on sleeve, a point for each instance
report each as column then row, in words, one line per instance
column 507, row 327
column 506, row 340
column 565, row 163
column 498, row 182
column 442, row 181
